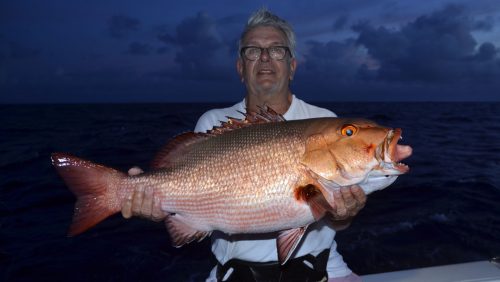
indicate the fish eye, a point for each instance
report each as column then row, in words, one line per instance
column 348, row 130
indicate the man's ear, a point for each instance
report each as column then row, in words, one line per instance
column 239, row 68
column 293, row 67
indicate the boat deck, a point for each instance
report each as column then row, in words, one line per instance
column 479, row 271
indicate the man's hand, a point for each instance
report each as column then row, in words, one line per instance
column 348, row 201
column 142, row 202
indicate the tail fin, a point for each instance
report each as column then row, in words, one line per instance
column 94, row 186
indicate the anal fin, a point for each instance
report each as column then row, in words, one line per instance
column 287, row 242
column 181, row 233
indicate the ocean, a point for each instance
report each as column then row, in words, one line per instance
column 446, row 210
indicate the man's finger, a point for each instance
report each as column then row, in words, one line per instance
column 127, row 207
column 349, row 200
column 147, row 203
column 135, row 171
column 137, row 200
column 341, row 212
column 359, row 195
column 157, row 214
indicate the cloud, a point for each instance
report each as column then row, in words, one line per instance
column 137, row 48
column 200, row 51
column 434, row 55
column 166, row 38
column 486, row 24
column 230, row 29
column 438, row 47
column 340, row 22
column 162, row 50
column 119, row 26
column 487, row 52
column 163, row 35
column 332, row 61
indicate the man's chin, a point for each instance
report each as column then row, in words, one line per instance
column 267, row 84
column 267, row 90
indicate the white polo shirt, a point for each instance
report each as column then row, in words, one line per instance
column 262, row 247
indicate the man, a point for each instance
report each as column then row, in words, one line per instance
column 266, row 65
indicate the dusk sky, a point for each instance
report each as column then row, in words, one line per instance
column 64, row 51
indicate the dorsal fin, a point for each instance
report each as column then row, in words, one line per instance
column 265, row 115
column 176, row 147
column 179, row 145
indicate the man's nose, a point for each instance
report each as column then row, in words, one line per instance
column 264, row 56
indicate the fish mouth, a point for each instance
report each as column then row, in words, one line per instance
column 389, row 154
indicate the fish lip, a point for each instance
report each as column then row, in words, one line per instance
column 390, row 154
column 393, row 142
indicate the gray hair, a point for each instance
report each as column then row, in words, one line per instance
column 264, row 17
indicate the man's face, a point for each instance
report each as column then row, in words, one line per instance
column 266, row 75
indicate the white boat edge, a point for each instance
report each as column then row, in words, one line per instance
column 463, row 272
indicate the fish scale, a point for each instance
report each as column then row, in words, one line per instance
column 262, row 176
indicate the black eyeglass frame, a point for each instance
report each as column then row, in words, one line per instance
column 243, row 49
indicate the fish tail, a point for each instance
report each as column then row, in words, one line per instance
column 95, row 187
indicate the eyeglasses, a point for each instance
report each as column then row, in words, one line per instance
column 253, row 53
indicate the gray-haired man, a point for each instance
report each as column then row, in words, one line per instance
column 266, row 65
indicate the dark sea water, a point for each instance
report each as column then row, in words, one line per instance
column 446, row 210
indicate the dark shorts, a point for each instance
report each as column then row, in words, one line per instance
column 304, row 269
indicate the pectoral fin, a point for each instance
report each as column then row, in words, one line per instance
column 181, row 233
column 314, row 197
column 287, row 241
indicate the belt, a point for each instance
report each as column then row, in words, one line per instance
column 307, row 268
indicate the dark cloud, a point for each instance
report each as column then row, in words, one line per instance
column 235, row 19
column 166, row 38
column 162, row 50
column 200, row 51
column 163, row 34
column 433, row 48
column 137, row 48
column 120, row 26
column 331, row 61
column 200, row 30
column 230, row 29
column 435, row 55
column 487, row 52
column 333, row 70
column 486, row 24
column 341, row 22
column 448, row 53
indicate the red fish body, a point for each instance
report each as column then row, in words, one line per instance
column 245, row 177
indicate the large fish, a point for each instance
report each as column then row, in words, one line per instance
column 257, row 175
